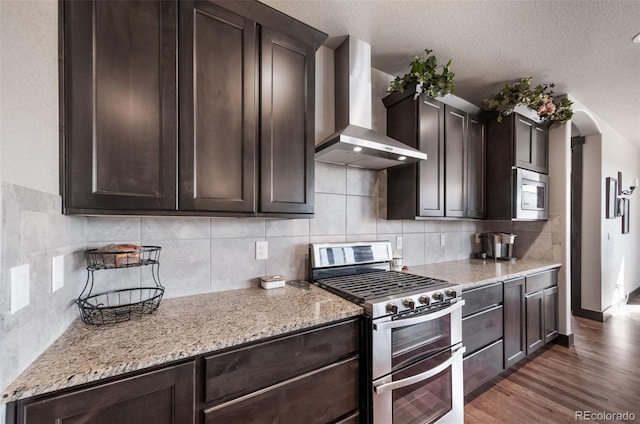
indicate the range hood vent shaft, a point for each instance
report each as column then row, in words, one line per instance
column 355, row 143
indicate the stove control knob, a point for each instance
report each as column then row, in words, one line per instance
column 451, row 293
column 409, row 303
column 392, row 308
column 424, row 300
column 437, row 296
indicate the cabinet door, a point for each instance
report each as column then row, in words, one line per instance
column 120, row 105
column 431, row 172
column 540, row 148
column 550, row 314
column 217, row 109
column 514, row 321
column 476, row 163
column 522, row 142
column 535, row 321
column 164, row 396
column 531, row 145
column 455, row 185
column 287, row 104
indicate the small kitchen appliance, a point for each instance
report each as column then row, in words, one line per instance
column 498, row 245
column 412, row 338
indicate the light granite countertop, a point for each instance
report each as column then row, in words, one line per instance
column 181, row 328
column 478, row 272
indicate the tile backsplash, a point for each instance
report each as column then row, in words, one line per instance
column 213, row 254
column 202, row 255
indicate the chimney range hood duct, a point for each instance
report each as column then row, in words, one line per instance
column 356, row 143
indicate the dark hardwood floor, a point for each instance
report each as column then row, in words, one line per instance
column 600, row 374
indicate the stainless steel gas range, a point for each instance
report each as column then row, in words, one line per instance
column 413, row 339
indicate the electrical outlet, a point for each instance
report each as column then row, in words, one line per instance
column 477, row 238
column 399, row 243
column 19, row 287
column 442, row 239
column 262, row 250
column 57, row 273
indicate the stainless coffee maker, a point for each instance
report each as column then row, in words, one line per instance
column 498, row 245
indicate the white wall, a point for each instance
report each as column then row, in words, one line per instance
column 560, row 208
column 591, row 267
column 29, row 101
column 620, row 265
column 610, row 268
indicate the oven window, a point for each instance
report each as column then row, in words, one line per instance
column 426, row 401
column 419, row 340
column 532, row 195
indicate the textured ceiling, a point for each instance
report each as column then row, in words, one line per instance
column 584, row 46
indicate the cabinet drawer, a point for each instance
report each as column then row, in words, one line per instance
column 482, row 366
column 482, row 329
column 241, row 371
column 317, row 397
column 541, row 280
column 481, row 298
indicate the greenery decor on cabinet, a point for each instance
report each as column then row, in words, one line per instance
column 433, row 80
column 539, row 98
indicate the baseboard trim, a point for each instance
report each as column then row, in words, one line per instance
column 593, row 315
column 565, row 340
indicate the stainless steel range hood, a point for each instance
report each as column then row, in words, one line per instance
column 355, row 143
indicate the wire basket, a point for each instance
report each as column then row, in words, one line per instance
column 147, row 255
column 119, row 305
column 116, row 306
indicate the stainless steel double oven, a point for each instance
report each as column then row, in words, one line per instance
column 417, row 367
column 413, row 335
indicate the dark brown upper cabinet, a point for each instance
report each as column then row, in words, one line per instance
column 455, row 144
column 287, row 105
column 521, row 142
column 416, row 189
column 239, row 140
column 118, row 91
column 450, row 183
column 218, row 110
column 476, row 168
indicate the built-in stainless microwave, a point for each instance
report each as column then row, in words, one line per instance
column 531, row 195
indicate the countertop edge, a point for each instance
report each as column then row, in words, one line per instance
column 536, row 269
column 13, row 393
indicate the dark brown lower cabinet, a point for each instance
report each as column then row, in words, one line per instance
column 482, row 366
column 480, row 329
column 319, row 397
column 159, row 397
column 506, row 321
column 535, row 321
column 310, row 376
column 482, row 332
column 515, row 320
column 550, row 314
column 234, row 373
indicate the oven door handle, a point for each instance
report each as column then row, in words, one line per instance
column 380, row 388
column 419, row 319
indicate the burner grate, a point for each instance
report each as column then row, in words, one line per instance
column 361, row 287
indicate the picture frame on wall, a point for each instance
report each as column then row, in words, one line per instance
column 612, row 198
column 625, row 215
